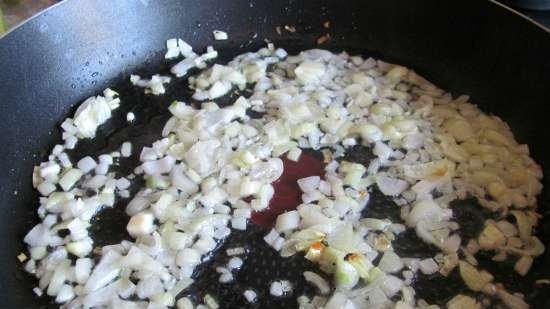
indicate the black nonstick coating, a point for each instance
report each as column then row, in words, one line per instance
column 80, row 47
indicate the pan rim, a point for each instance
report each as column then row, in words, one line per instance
column 64, row 2
column 516, row 12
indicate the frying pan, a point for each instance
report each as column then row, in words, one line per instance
column 79, row 47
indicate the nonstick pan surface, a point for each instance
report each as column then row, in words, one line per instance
column 80, row 47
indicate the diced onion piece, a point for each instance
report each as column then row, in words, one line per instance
column 524, row 225
column 70, row 178
column 136, row 205
column 310, row 72
column 391, row 285
column 391, row 186
column 130, row 117
column 80, row 248
column 512, row 301
column 463, row 302
column 126, row 149
column 523, row 265
column 160, row 166
column 276, row 289
column 83, row 269
column 294, row 154
column 250, row 296
column 345, row 276
column 309, row 184
column 184, row 303
column 319, row 282
column 141, row 224
column 65, row 294
column 188, row 257
column 287, row 221
column 428, row 266
column 239, row 223
column 46, row 188
column 473, row 278
column 220, row 35
column 491, row 238
column 86, row 164
column 390, row 262
column 211, row 302
column 106, row 271
column 340, row 301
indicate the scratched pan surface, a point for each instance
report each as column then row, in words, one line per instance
column 79, row 47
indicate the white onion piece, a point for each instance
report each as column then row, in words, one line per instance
column 160, row 166
column 390, row 263
column 90, row 115
column 65, row 294
column 188, row 257
column 239, row 223
column 428, row 266
column 511, row 301
column 383, row 151
column 200, row 156
column 141, row 224
column 318, row 281
column 126, row 149
column 309, row 184
column 70, row 178
column 339, row 301
column 46, row 188
column 136, row 205
column 276, row 289
column 38, row 236
column 391, row 285
column 523, row 265
column 391, row 186
column 86, row 164
column 220, row 35
column 83, row 269
column 184, row 303
column 250, row 296
column 463, row 302
column 310, row 72
column 287, row 221
column 426, row 209
column 268, row 171
column 106, row 270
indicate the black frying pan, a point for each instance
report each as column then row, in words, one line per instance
column 79, row 47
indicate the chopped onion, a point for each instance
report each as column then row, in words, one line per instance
column 319, row 282
column 428, row 266
column 474, row 279
column 213, row 166
column 511, row 301
column 391, row 186
column 160, row 166
column 220, row 35
column 391, row 263
column 309, row 184
column 287, row 221
column 184, row 303
column 250, row 296
column 70, row 178
column 463, row 302
column 106, row 271
column 86, row 164
column 276, row 289
column 523, row 265
column 346, row 276
column 141, row 224
column 126, row 149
